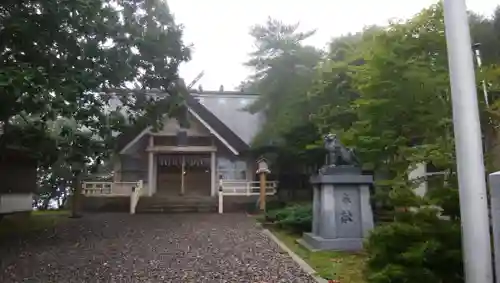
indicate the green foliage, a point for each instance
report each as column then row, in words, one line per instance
column 332, row 94
column 330, row 265
column 79, row 47
column 419, row 247
column 275, row 204
column 402, row 118
column 296, row 218
column 404, row 94
column 485, row 30
column 60, row 79
column 386, row 92
column 284, row 69
column 14, row 226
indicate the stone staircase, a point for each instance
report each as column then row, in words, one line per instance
column 176, row 204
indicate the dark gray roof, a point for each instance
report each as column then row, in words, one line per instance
column 223, row 112
column 229, row 108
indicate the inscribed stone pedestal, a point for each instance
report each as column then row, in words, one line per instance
column 342, row 213
column 494, row 182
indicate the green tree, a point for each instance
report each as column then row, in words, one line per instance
column 76, row 53
column 79, row 47
column 283, row 71
column 284, row 68
column 404, row 118
column 332, row 95
column 486, row 32
column 390, row 100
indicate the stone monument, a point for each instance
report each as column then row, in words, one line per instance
column 494, row 182
column 342, row 213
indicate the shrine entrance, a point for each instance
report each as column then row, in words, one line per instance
column 184, row 174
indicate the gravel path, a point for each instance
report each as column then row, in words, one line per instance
column 150, row 248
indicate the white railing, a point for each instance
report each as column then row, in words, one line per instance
column 246, row 188
column 242, row 188
column 100, row 189
column 134, row 197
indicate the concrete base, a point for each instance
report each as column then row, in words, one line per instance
column 313, row 242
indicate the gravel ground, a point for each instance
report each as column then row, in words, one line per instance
column 149, row 248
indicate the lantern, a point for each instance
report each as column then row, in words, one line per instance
column 262, row 166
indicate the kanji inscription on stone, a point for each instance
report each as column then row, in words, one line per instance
column 346, row 214
column 346, row 199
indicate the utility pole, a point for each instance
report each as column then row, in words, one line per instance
column 472, row 184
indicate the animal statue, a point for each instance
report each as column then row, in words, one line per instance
column 338, row 154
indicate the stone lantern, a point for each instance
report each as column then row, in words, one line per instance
column 262, row 166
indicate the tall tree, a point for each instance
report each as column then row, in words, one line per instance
column 78, row 47
column 404, row 118
column 399, row 116
column 283, row 70
column 332, row 94
column 486, row 32
column 76, row 53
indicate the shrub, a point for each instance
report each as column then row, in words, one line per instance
column 275, row 204
column 296, row 218
column 418, row 247
column 253, row 207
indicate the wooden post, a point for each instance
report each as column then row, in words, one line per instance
column 262, row 201
column 262, row 171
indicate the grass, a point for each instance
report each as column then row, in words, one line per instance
column 16, row 225
column 50, row 212
column 344, row 267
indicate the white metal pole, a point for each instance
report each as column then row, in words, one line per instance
column 472, row 183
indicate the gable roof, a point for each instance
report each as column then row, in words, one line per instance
column 206, row 117
column 216, row 124
column 231, row 109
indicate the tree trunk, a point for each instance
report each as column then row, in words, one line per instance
column 45, row 204
column 490, row 148
column 77, row 192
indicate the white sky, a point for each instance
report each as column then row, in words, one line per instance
column 218, row 29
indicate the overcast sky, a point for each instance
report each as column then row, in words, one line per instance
column 218, row 29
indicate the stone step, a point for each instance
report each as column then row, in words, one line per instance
column 179, row 204
column 159, row 205
column 178, row 199
column 176, row 208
